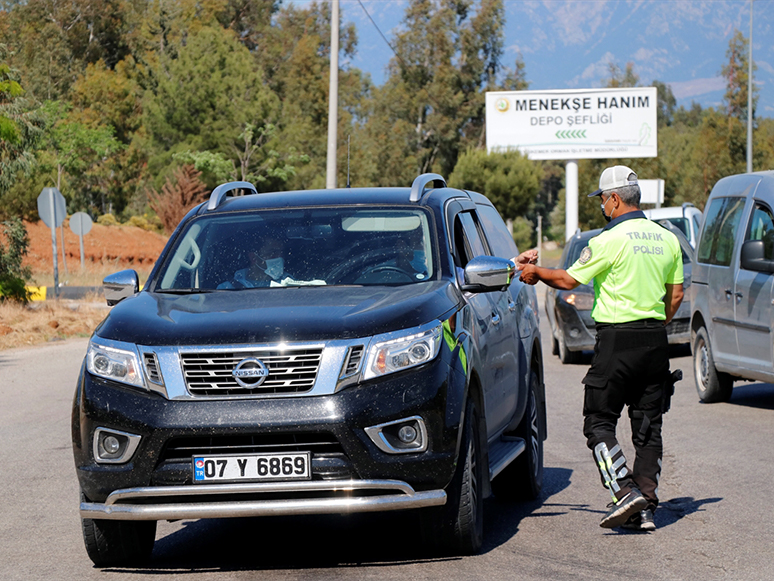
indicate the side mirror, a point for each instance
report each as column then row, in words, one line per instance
column 119, row 285
column 753, row 257
column 488, row 273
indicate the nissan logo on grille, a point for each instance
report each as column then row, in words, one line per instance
column 250, row 373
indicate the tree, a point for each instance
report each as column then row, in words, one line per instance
column 12, row 274
column 618, row 78
column 178, row 196
column 666, row 103
column 75, row 148
column 735, row 71
column 204, row 99
column 21, row 127
column 431, row 106
column 509, row 180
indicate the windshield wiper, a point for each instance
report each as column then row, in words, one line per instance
column 185, row 291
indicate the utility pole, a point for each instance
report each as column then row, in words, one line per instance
column 749, row 98
column 333, row 98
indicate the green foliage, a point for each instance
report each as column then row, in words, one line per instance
column 21, row 128
column 12, row 274
column 736, row 73
column 509, row 179
column 107, row 220
column 523, row 233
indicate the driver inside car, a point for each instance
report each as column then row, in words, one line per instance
column 266, row 265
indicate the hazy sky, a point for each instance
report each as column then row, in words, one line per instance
column 568, row 44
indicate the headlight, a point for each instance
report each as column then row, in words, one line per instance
column 115, row 364
column 581, row 301
column 396, row 352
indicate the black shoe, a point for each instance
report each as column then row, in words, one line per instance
column 641, row 521
column 620, row 511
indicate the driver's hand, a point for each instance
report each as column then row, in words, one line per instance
column 525, row 258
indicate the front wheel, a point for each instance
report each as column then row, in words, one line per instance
column 712, row 385
column 118, row 542
column 459, row 524
column 522, row 479
column 565, row 355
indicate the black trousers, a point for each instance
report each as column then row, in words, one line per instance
column 630, row 367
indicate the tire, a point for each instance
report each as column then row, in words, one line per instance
column 118, row 542
column 522, row 479
column 565, row 355
column 458, row 526
column 554, row 346
column 712, row 385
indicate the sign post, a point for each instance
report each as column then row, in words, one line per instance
column 52, row 209
column 572, row 125
column 80, row 224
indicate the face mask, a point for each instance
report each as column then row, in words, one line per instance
column 274, row 267
column 602, row 206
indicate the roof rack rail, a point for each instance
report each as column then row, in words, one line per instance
column 219, row 193
column 421, row 182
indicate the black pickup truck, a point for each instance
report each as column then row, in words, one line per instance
column 313, row 352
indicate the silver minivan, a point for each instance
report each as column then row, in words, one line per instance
column 732, row 299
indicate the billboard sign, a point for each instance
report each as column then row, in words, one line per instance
column 573, row 124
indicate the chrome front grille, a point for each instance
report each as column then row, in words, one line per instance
column 291, row 370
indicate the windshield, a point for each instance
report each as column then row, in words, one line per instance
column 304, row 247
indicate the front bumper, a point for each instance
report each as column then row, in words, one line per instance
column 245, row 500
column 349, row 471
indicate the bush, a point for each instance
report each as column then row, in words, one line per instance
column 107, row 220
column 140, row 222
column 12, row 274
column 522, row 233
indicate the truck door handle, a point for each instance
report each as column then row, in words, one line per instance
column 511, row 306
column 728, row 294
column 739, row 297
column 495, row 319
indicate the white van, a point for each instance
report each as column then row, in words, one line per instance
column 733, row 286
column 686, row 217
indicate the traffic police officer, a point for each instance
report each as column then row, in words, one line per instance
column 637, row 269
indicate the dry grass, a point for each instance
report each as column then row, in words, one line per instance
column 37, row 323
column 91, row 275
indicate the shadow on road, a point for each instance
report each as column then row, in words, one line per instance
column 754, row 395
column 321, row 542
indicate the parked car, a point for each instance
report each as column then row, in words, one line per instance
column 569, row 311
column 732, row 309
column 686, row 217
column 314, row 352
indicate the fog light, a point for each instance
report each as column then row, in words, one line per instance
column 113, row 446
column 407, row 434
column 404, row 436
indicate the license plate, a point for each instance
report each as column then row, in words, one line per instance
column 252, row 467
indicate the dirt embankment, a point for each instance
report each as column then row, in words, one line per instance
column 122, row 246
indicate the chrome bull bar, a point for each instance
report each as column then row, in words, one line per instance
column 136, row 503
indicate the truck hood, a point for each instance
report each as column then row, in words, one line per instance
column 276, row 314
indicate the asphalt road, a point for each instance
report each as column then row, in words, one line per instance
column 715, row 521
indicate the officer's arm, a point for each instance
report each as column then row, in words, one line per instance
column 672, row 300
column 554, row 277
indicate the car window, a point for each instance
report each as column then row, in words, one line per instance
column 762, row 228
column 683, row 224
column 500, row 239
column 301, row 247
column 722, row 222
column 696, row 227
column 473, row 245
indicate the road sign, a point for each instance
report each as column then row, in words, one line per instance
column 52, row 209
column 80, row 224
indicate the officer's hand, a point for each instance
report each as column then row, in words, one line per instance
column 525, row 258
column 529, row 274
